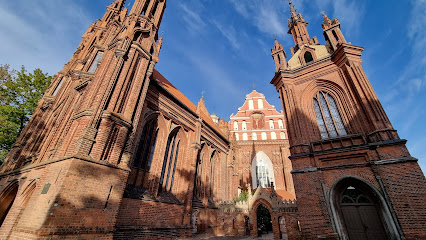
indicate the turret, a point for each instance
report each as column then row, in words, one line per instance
column 332, row 33
column 297, row 28
column 151, row 9
column 279, row 56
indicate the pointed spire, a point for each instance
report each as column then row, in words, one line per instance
column 327, row 21
column 292, row 8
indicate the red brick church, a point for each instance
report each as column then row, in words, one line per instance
column 115, row 151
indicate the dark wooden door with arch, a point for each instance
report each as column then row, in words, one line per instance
column 361, row 216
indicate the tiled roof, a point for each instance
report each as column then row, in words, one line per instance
column 166, row 85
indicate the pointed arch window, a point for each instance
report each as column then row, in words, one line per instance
column 170, row 162
column 262, row 174
column 264, row 136
column 96, row 63
column 146, row 146
column 212, row 174
column 328, row 116
column 273, row 136
column 244, row 125
column 58, row 87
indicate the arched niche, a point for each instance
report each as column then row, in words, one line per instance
column 259, row 159
column 7, row 198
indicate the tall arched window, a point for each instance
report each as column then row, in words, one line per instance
column 262, row 174
column 328, row 117
column 212, row 175
column 282, row 135
column 259, row 103
column 146, row 146
column 237, row 136
column 264, row 137
column 273, row 136
column 235, row 125
column 244, row 125
column 308, row 57
column 280, row 124
column 96, row 63
column 254, row 136
column 271, row 124
column 245, row 136
column 169, row 163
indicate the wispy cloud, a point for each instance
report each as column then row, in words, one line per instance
column 193, row 19
column 228, row 31
column 266, row 15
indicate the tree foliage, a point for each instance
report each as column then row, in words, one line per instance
column 20, row 92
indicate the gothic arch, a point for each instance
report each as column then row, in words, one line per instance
column 7, row 199
column 339, row 95
column 389, row 225
column 257, row 158
column 178, row 177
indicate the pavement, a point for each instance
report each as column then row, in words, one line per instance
column 206, row 237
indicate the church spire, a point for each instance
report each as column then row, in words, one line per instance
column 293, row 10
column 297, row 28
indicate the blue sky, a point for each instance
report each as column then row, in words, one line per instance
column 222, row 47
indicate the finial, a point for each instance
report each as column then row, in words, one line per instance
column 254, row 85
column 275, row 37
column 323, row 13
column 292, row 8
column 202, row 94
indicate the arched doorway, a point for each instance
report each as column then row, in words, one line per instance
column 264, row 221
column 6, row 201
column 360, row 211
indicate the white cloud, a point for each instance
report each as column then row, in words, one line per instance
column 193, row 20
column 44, row 37
column 228, row 31
column 268, row 16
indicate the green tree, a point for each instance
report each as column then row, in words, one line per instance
column 20, row 92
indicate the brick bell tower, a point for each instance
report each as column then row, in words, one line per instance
column 354, row 177
column 74, row 153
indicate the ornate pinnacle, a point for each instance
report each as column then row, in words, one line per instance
column 292, row 8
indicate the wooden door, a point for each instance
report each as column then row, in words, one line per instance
column 361, row 216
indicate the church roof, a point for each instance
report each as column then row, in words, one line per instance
column 170, row 88
column 282, row 194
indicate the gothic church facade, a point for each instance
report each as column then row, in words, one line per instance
column 115, row 151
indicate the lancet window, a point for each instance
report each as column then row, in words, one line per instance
column 262, row 174
column 170, row 162
column 146, row 147
column 96, row 63
column 328, row 116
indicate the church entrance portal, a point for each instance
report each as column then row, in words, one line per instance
column 360, row 214
column 264, row 221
